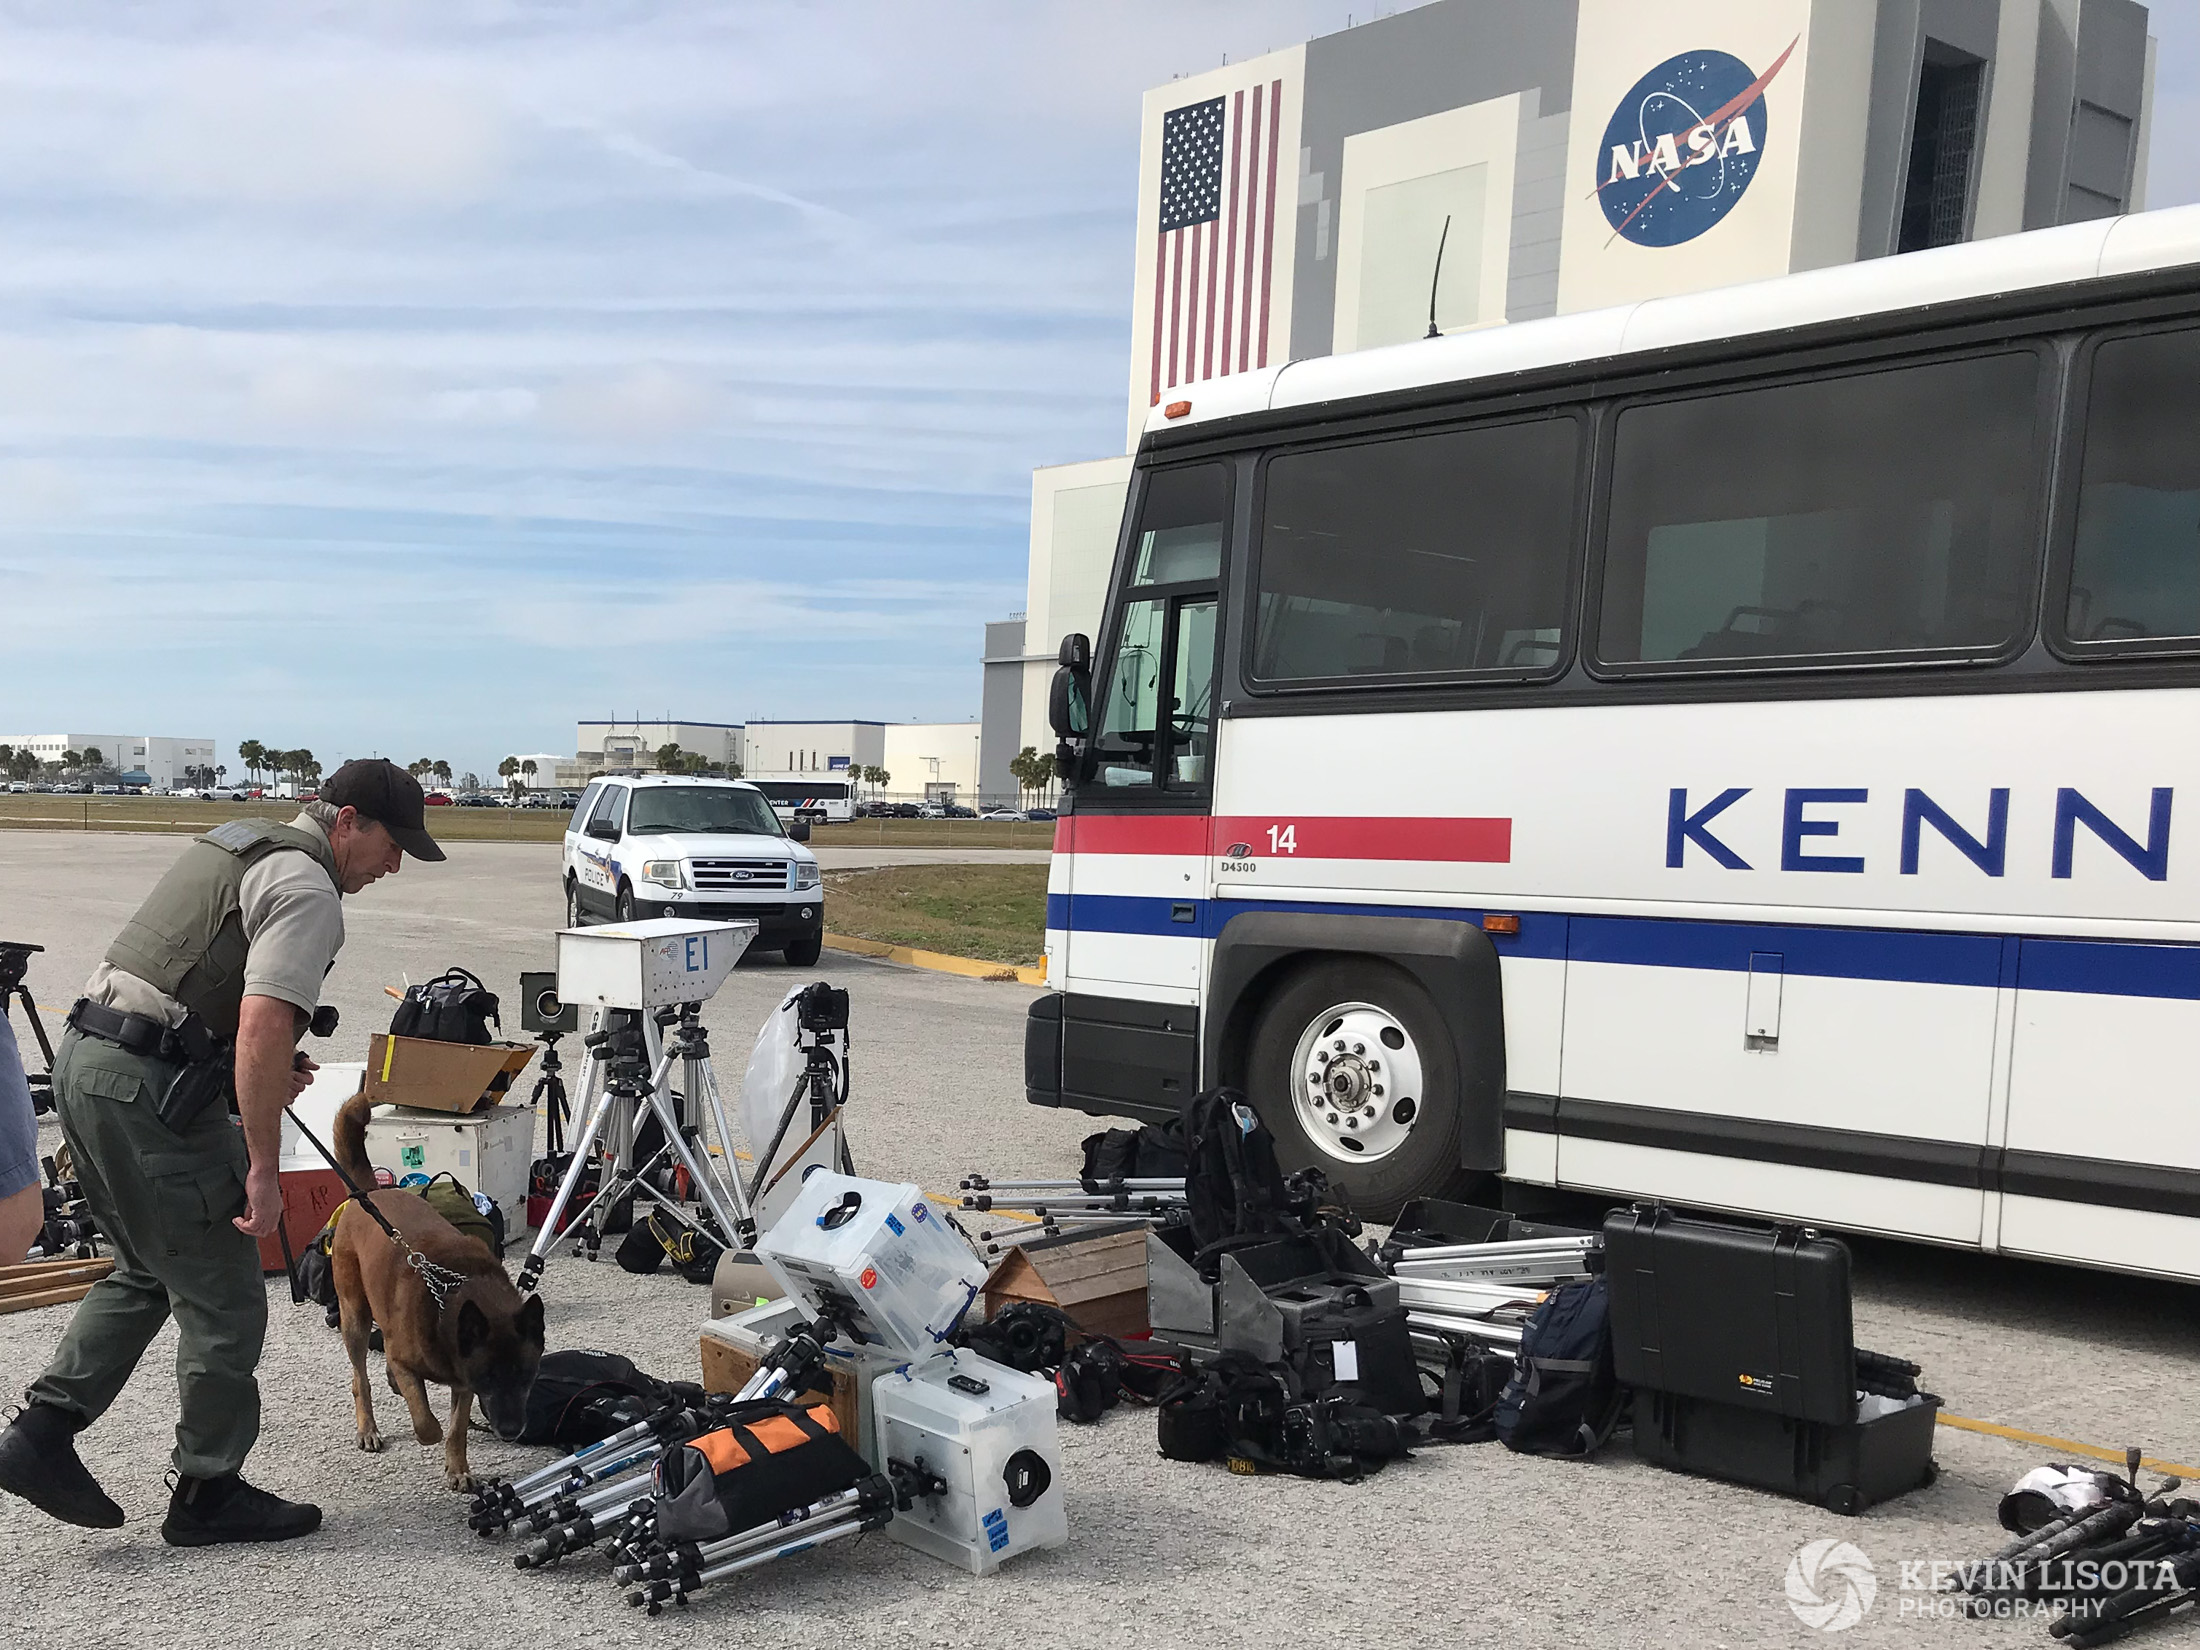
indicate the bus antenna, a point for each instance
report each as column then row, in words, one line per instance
column 1436, row 276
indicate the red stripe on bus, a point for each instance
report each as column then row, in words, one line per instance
column 1266, row 836
column 1131, row 834
column 1273, row 836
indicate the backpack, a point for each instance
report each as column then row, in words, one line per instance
column 584, row 1397
column 1563, row 1398
column 1473, row 1379
column 454, row 1007
column 1233, row 1186
column 771, row 1458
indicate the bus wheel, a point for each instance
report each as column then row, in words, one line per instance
column 1354, row 1073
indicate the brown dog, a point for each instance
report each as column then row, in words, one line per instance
column 483, row 1341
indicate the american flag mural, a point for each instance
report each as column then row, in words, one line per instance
column 1216, row 250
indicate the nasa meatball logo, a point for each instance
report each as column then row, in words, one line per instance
column 1682, row 147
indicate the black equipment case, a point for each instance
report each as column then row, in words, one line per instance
column 1739, row 1346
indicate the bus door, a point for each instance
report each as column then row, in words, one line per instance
column 1127, row 903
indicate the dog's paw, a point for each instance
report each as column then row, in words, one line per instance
column 370, row 1438
column 462, row 1483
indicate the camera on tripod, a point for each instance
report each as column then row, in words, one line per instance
column 822, row 1008
column 541, row 1009
column 15, row 963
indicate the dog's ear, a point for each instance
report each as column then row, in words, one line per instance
column 529, row 1321
column 473, row 1328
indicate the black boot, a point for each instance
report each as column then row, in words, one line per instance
column 38, row 1462
column 205, row 1512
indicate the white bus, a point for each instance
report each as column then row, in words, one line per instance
column 1725, row 749
column 820, row 801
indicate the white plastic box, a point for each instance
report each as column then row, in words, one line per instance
column 657, row 963
column 488, row 1151
column 991, row 1433
column 877, row 1256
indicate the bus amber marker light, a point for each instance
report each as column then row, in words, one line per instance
column 1500, row 925
column 1176, row 409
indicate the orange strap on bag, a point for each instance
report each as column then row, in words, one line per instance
column 734, row 1447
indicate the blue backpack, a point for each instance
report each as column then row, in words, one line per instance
column 1563, row 1398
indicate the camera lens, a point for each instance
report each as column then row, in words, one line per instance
column 547, row 1005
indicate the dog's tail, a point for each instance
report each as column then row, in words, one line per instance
column 350, row 1139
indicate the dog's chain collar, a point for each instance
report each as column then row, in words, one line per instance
column 439, row 1281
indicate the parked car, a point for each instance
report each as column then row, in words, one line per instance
column 436, row 799
column 955, row 810
column 106, row 790
column 1001, row 813
column 908, row 810
column 19, row 786
column 1036, row 814
column 222, row 793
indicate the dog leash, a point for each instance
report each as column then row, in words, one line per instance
column 440, row 1281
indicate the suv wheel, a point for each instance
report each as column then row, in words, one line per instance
column 803, row 952
column 624, row 909
column 575, row 917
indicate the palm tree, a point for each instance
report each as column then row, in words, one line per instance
column 668, row 759
column 527, row 768
column 508, row 771
column 442, row 772
column 253, row 755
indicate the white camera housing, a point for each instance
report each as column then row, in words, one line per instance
column 657, row 963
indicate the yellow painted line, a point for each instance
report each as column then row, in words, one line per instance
column 2064, row 1446
column 940, row 962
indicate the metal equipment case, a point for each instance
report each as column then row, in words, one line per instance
column 1739, row 1347
column 990, row 1432
column 877, row 1256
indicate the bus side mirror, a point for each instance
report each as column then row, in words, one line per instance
column 1069, row 699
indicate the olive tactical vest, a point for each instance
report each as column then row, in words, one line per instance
column 187, row 939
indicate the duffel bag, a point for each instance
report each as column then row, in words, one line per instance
column 771, row 1459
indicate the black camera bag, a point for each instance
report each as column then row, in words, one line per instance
column 1564, row 1397
column 767, row 1460
column 454, row 1007
column 584, row 1397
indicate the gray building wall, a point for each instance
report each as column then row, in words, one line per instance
column 2087, row 105
column 1001, row 710
column 1420, row 63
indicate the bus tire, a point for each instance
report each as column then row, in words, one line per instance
column 1331, row 1052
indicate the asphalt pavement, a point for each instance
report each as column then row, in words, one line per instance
column 1458, row 1546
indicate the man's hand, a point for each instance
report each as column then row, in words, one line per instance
column 263, row 1202
column 301, row 1073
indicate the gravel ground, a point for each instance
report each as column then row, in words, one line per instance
column 1457, row 1546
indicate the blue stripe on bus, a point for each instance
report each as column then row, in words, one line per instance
column 2116, row 968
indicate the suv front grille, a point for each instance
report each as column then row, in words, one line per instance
column 738, row 873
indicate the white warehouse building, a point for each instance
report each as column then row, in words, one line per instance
column 161, row 758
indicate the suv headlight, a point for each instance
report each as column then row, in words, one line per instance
column 663, row 871
column 805, row 873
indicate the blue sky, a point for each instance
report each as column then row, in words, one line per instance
column 422, row 376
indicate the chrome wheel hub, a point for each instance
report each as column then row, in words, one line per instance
column 1356, row 1082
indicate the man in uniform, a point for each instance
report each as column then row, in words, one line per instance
column 220, row 969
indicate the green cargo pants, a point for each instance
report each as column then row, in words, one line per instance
column 164, row 1202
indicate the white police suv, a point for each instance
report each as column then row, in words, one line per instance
column 662, row 846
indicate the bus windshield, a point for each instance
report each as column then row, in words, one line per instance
column 705, row 810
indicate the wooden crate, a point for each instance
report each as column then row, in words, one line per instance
column 1097, row 1277
column 727, row 1368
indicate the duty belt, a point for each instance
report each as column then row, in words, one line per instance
column 186, row 1044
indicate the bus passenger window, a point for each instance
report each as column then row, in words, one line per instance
column 1431, row 555
column 1880, row 513
column 2136, row 571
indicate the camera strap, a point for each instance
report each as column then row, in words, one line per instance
column 440, row 1281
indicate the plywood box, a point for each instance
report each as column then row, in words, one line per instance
column 438, row 1076
column 310, row 1196
column 1097, row 1277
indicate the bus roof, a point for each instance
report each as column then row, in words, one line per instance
column 2039, row 258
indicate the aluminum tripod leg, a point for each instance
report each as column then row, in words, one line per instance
column 699, row 1075
column 546, row 1241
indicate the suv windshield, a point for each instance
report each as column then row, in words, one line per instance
column 704, row 810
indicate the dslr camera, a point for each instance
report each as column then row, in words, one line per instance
column 822, row 1008
column 540, row 1007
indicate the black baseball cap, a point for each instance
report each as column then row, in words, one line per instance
column 378, row 789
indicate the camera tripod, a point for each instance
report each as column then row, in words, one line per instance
column 623, row 1083
column 549, row 1096
column 15, row 961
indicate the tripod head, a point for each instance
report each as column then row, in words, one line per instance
column 15, row 963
